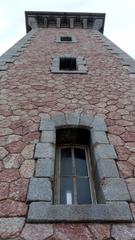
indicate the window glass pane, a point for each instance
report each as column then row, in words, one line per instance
column 66, row 191
column 83, row 191
column 80, row 161
column 66, row 162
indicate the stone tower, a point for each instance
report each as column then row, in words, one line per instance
column 67, row 132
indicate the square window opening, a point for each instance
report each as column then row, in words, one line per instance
column 68, row 64
column 66, row 39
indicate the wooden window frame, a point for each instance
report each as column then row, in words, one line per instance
column 57, row 173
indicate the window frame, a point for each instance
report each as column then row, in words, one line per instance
column 81, row 66
column 58, row 171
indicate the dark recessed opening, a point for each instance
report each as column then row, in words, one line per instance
column 66, row 39
column 68, row 64
column 72, row 136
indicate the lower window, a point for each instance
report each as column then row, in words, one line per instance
column 73, row 178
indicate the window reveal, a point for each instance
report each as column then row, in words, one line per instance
column 66, row 39
column 68, row 64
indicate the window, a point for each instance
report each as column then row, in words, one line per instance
column 86, row 186
column 74, row 183
column 66, row 39
column 68, row 64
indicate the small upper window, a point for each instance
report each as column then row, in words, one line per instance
column 66, row 39
column 68, row 64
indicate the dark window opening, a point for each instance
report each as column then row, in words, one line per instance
column 66, row 39
column 68, row 64
column 73, row 169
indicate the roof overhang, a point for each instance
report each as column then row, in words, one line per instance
column 38, row 19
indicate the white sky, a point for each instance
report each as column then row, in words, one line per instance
column 119, row 24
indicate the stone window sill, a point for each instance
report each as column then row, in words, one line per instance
column 115, row 211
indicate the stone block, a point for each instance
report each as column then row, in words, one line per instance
column 86, row 121
column 45, row 168
column 48, row 137
column 98, row 137
column 59, row 120
column 99, row 124
column 72, row 119
column 44, row 150
column 104, row 151
column 46, row 124
column 132, row 69
column 39, row 190
column 3, row 67
column 41, row 212
column 107, row 169
column 115, row 189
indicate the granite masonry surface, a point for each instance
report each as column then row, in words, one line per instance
column 29, row 92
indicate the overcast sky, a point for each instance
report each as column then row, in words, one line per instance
column 119, row 23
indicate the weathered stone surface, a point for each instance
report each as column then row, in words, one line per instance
column 12, row 138
column 123, row 152
column 3, row 152
column 72, row 231
column 107, row 168
column 37, row 231
column 115, row 140
column 27, row 168
column 99, row 124
column 104, row 151
column 126, row 169
column 9, row 208
column 18, row 190
column 72, row 118
column 99, row 231
column 128, row 136
column 9, row 175
column 11, row 227
column 48, row 137
column 15, row 147
column 46, row 124
column 39, row 190
column 117, row 130
column 132, row 206
column 98, row 137
column 86, row 120
column 59, row 120
column 13, row 161
column 4, row 190
column 122, row 231
column 131, row 187
column 5, row 131
column 132, row 159
column 114, row 189
column 114, row 211
column 45, row 168
column 28, row 151
column 44, row 150
column 130, row 146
